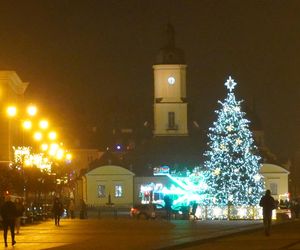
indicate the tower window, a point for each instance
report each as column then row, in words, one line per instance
column 171, row 120
column 274, row 188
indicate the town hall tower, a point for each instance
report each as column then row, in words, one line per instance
column 170, row 106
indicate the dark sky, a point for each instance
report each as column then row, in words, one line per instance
column 90, row 62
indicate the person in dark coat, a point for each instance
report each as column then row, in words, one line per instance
column 19, row 213
column 57, row 210
column 267, row 202
column 168, row 206
column 194, row 210
column 9, row 214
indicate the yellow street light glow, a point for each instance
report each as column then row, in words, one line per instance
column 44, row 124
column 27, row 124
column 69, row 156
column 32, row 110
column 54, row 146
column 38, row 136
column 52, row 135
column 11, row 111
column 52, row 152
column 53, row 149
column 60, row 154
column 44, row 147
column 27, row 162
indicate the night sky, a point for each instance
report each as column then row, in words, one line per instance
column 89, row 63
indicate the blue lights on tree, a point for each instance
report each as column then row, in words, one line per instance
column 231, row 158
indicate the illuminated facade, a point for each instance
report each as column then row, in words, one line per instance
column 108, row 184
column 172, row 147
column 170, row 106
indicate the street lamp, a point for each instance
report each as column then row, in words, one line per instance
column 68, row 156
column 27, row 124
column 44, row 147
column 52, row 135
column 11, row 111
column 38, row 136
column 44, row 124
column 31, row 110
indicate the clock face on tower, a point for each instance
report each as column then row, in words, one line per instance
column 171, row 80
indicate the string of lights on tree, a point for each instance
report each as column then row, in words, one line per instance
column 231, row 158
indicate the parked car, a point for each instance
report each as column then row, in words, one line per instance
column 181, row 212
column 158, row 211
column 283, row 213
column 146, row 211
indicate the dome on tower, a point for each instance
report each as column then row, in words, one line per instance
column 169, row 54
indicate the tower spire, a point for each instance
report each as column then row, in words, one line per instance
column 169, row 54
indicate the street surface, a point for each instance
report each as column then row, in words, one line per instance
column 125, row 233
column 283, row 236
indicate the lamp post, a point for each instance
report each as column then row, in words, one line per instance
column 44, row 150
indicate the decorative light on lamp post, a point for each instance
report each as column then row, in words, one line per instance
column 68, row 156
column 27, row 124
column 44, row 124
column 60, row 154
column 52, row 135
column 44, row 147
column 11, row 111
column 38, row 136
column 31, row 110
column 53, row 149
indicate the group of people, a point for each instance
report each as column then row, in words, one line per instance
column 11, row 213
column 267, row 202
column 58, row 210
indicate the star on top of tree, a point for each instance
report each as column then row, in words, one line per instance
column 230, row 84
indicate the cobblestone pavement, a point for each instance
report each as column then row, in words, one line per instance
column 123, row 233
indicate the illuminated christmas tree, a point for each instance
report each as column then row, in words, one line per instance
column 231, row 158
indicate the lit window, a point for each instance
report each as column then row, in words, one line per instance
column 273, row 188
column 118, row 191
column 101, row 191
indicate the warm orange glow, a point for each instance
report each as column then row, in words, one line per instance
column 53, row 149
column 60, row 154
column 32, row 110
column 27, row 124
column 52, row 135
column 27, row 162
column 11, row 111
column 38, row 136
column 54, row 146
column 44, row 147
column 44, row 124
column 69, row 156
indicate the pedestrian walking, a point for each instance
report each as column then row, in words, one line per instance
column 57, row 210
column 19, row 213
column 267, row 202
column 9, row 214
column 168, row 206
column 194, row 210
